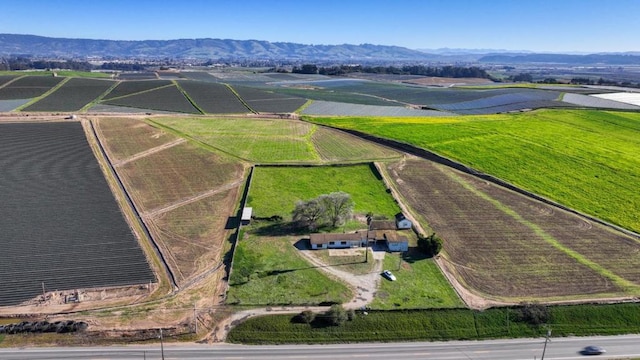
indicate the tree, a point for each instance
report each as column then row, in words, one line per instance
column 338, row 207
column 336, row 315
column 309, row 213
column 431, row 245
column 305, row 317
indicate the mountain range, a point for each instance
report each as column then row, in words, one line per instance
column 216, row 49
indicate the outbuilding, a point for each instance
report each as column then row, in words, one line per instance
column 246, row 216
column 402, row 222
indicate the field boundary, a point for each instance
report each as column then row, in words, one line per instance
column 432, row 156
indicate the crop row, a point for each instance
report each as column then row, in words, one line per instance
column 125, row 88
column 498, row 248
column 165, row 99
column 28, row 87
column 213, row 98
column 50, row 177
column 263, row 101
column 72, row 96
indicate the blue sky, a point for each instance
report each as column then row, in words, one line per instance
column 542, row 25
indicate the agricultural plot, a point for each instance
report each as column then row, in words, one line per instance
column 632, row 98
column 126, row 88
column 50, row 177
column 185, row 193
column 529, row 99
column 275, row 190
column 128, row 137
column 193, row 235
column 268, row 102
column 276, row 140
column 332, row 108
column 8, row 105
column 583, row 159
column 336, row 146
column 28, row 87
column 198, row 76
column 102, row 108
column 213, row 98
column 72, row 95
column 508, row 247
column 178, row 172
column 6, row 78
column 597, row 102
column 168, row 98
column 145, row 75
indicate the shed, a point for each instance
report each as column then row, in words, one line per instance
column 402, row 222
column 246, row 215
column 382, row 225
column 396, row 242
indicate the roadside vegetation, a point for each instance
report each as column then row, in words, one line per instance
column 444, row 324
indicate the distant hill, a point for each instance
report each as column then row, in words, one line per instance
column 12, row 44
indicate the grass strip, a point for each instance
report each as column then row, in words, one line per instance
column 442, row 324
column 186, row 95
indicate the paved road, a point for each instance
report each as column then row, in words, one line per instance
column 619, row 347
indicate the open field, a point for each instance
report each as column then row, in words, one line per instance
column 275, row 190
column 50, row 177
column 584, row 159
column 185, row 193
column 269, row 271
column 507, row 247
column 334, row 108
column 72, row 95
column 277, row 140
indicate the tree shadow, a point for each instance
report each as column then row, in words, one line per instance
column 414, row 254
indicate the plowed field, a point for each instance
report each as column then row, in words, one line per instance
column 506, row 246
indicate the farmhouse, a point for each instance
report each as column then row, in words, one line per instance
column 338, row 241
column 402, row 222
column 390, row 238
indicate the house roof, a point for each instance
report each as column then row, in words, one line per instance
column 400, row 217
column 327, row 238
column 382, row 225
column 246, row 213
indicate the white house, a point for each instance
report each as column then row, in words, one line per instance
column 338, row 241
column 402, row 222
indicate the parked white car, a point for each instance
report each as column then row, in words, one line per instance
column 389, row 275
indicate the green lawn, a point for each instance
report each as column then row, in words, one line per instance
column 275, row 190
column 269, row 271
column 420, row 284
column 586, row 159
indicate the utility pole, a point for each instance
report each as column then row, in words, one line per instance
column 161, row 345
column 546, row 340
column 195, row 319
